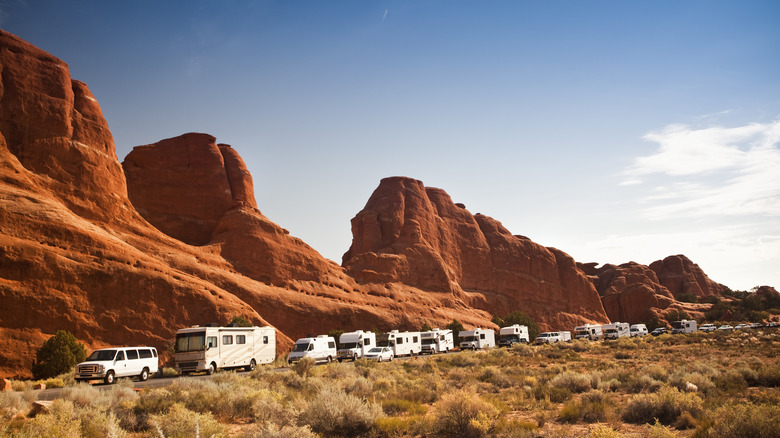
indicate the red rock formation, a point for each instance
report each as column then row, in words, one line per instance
column 681, row 276
column 418, row 236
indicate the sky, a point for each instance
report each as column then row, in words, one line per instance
column 615, row 131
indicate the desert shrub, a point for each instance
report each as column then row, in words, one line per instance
column 270, row 407
column 465, row 414
column 622, row 355
column 603, row 431
column 495, row 376
column 573, row 381
column 360, row 387
column 554, row 394
column 665, row 405
column 397, row 406
column 180, row 422
column 336, row 413
column 658, row 430
column 58, row 355
column 683, row 382
column 657, row 372
column 60, row 422
column 732, row 381
column 274, row 431
column 642, row 383
column 523, row 349
column 304, row 366
column 13, row 403
column 746, row 420
column 406, row 426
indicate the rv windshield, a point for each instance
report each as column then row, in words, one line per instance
column 611, row 330
column 300, row 347
column 186, row 342
column 102, row 355
column 428, row 341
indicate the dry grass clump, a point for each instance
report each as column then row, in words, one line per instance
column 464, row 413
column 180, row 422
column 745, row 420
column 573, row 381
column 273, row 431
column 666, row 405
column 593, row 407
column 336, row 413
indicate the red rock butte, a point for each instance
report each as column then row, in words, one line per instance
column 128, row 253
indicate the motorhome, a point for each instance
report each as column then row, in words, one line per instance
column 592, row 332
column 354, row 345
column 514, row 334
column 477, row 339
column 553, row 337
column 211, row 347
column 108, row 364
column 437, row 341
column 638, row 330
column 321, row 349
column 684, row 326
column 615, row 330
column 402, row 343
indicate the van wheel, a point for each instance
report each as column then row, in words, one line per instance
column 379, row 359
column 144, row 375
column 330, row 359
column 354, row 357
column 110, row 378
column 251, row 366
column 212, row 369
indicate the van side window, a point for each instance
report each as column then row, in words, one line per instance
column 145, row 354
column 399, row 341
column 240, row 339
column 132, row 354
column 367, row 341
column 227, row 339
column 211, row 342
column 154, row 352
column 265, row 339
column 482, row 336
column 120, row 355
column 331, row 344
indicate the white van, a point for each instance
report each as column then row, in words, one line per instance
column 615, row 330
column 512, row 335
column 402, row 343
column 212, row 347
column 437, row 341
column 638, row 330
column 477, row 339
column 321, row 349
column 592, row 332
column 354, row 345
column 109, row 364
column 553, row 337
column 684, row 326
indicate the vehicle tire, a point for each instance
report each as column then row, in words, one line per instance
column 391, row 359
column 379, row 359
column 354, row 357
column 341, row 359
column 330, row 359
column 144, row 375
column 211, row 369
column 251, row 366
column 110, row 378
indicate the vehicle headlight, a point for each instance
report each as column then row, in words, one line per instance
column 101, row 368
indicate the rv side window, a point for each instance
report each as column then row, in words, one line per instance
column 367, row 341
column 132, row 354
column 120, row 355
column 331, row 344
column 145, row 354
column 211, row 342
column 442, row 337
column 240, row 339
column 400, row 341
column 265, row 339
column 414, row 339
column 482, row 336
column 227, row 339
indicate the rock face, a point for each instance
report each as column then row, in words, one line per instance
column 681, row 276
column 419, row 237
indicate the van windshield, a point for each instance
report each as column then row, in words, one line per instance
column 300, row 347
column 102, row 355
column 190, row 342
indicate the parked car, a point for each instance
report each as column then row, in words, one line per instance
column 726, row 327
column 659, row 331
column 773, row 324
column 708, row 328
column 380, row 354
column 741, row 326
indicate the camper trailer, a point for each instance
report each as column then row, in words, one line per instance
column 437, row 341
column 354, row 345
column 321, row 349
column 684, row 326
column 477, row 339
column 514, row 334
column 615, row 330
column 592, row 332
column 212, row 347
column 402, row 343
column 553, row 337
column 638, row 330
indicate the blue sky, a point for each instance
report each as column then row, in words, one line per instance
column 614, row 130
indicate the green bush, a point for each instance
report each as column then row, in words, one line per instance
column 58, row 355
column 465, row 414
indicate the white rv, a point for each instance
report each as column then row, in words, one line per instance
column 477, row 339
column 684, row 326
column 588, row 331
column 212, row 347
column 615, row 330
column 354, row 345
column 110, row 363
column 321, row 349
column 437, row 341
column 552, row 337
column 514, row 334
column 638, row 330
column 402, row 343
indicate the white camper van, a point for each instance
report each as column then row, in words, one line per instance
column 684, row 326
column 354, row 345
column 638, row 330
column 212, row 347
column 553, row 337
column 615, row 330
column 402, row 343
column 514, row 334
column 592, row 332
column 110, row 363
column 477, row 339
column 437, row 341
column 321, row 349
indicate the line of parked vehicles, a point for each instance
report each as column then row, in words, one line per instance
column 212, row 347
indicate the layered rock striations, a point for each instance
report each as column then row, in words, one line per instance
column 417, row 236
